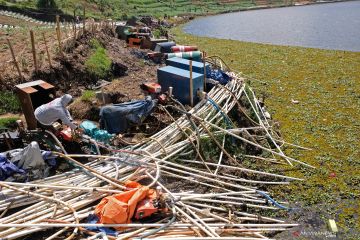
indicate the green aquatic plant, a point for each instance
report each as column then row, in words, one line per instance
column 326, row 85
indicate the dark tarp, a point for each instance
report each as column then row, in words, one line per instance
column 118, row 118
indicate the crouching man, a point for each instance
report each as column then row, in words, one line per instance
column 55, row 110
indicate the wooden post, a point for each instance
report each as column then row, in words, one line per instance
column 75, row 37
column 58, row 34
column 75, row 22
column 84, row 20
column 1, row 78
column 14, row 59
column 33, row 49
column 47, row 50
column 204, row 55
column 191, row 86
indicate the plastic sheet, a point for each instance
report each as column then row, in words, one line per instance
column 218, row 76
column 95, row 133
column 118, row 118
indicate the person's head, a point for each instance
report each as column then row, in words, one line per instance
column 66, row 100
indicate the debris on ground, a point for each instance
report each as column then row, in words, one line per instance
column 193, row 160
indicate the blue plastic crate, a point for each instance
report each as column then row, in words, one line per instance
column 179, row 79
column 182, row 63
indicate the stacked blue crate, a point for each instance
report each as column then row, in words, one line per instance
column 182, row 63
column 179, row 79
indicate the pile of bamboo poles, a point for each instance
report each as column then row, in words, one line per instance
column 221, row 199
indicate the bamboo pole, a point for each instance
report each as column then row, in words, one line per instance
column 32, row 38
column 75, row 34
column 138, row 225
column 86, row 189
column 84, row 20
column 58, row 34
column 47, row 50
column 191, row 85
column 170, row 141
column 14, row 59
column 204, row 61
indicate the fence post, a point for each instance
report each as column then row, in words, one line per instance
column 47, row 50
column 14, row 59
column 75, row 30
column 33, row 49
column 58, row 34
column 191, row 85
column 84, row 20
column 204, row 55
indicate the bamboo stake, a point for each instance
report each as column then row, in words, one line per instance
column 171, row 142
column 87, row 189
column 14, row 59
column 32, row 38
column 247, row 141
column 204, row 61
column 47, row 50
column 58, row 34
column 84, row 20
column 191, row 85
column 267, row 132
column 139, row 225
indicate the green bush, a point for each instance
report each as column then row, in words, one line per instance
column 98, row 64
column 88, row 95
column 95, row 44
column 8, row 122
column 9, row 102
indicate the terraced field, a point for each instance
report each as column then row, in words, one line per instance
column 123, row 8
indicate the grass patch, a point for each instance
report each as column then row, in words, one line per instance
column 8, row 122
column 98, row 64
column 326, row 84
column 88, row 96
column 9, row 102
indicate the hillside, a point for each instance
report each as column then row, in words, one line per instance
column 120, row 9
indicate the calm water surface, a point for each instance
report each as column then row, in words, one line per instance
column 327, row 26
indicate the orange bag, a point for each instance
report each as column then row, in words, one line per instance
column 120, row 208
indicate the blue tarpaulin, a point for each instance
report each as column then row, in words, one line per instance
column 118, row 118
column 218, row 75
column 7, row 168
column 26, row 164
column 92, row 218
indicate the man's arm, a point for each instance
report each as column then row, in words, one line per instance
column 67, row 121
column 68, row 114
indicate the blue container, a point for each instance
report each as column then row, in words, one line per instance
column 182, row 63
column 179, row 79
column 164, row 47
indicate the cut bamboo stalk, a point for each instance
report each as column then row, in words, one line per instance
column 58, row 34
column 47, row 50
column 191, row 85
column 14, row 59
column 32, row 38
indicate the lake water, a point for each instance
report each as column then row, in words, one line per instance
column 326, row 26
